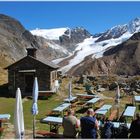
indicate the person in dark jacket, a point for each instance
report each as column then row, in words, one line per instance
column 123, row 129
column 108, row 129
column 89, row 125
column 135, row 127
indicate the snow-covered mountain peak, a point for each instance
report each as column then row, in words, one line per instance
column 134, row 25
column 97, row 45
column 51, row 34
column 117, row 31
column 81, row 44
column 135, row 21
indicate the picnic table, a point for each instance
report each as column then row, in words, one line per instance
column 61, row 108
column 54, row 122
column 71, row 99
column 117, row 124
column 93, row 101
column 129, row 111
column 3, row 118
column 136, row 99
column 104, row 109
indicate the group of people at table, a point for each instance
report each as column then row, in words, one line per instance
column 90, row 127
column 94, row 124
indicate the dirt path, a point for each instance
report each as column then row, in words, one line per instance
column 9, row 132
column 103, row 97
column 113, row 115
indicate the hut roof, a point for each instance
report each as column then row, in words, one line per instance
column 41, row 60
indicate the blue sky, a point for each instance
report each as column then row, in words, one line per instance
column 94, row 16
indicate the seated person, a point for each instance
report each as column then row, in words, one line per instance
column 108, row 129
column 70, row 124
column 123, row 129
column 89, row 125
column 89, row 88
column 135, row 127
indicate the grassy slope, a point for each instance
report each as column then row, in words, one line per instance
column 45, row 106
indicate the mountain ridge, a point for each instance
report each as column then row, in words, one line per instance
column 94, row 44
column 110, row 39
column 123, row 59
column 76, row 50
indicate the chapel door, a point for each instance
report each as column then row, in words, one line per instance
column 29, row 79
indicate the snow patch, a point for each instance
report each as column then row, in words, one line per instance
column 58, row 47
column 52, row 34
column 90, row 47
column 56, row 61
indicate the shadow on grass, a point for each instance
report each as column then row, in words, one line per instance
column 4, row 92
column 45, row 137
column 40, row 137
column 129, row 104
column 45, row 97
column 82, row 110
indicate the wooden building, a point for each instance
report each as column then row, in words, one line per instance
column 21, row 74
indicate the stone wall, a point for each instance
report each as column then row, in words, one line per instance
column 17, row 79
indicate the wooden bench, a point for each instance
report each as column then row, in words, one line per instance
column 45, row 133
column 46, row 93
column 49, row 113
column 80, row 104
column 1, row 128
column 1, row 131
column 100, row 103
column 70, row 100
column 86, row 96
column 48, row 134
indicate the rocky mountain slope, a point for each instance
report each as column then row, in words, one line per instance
column 82, row 45
column 94, row 47
column 64, row 37
column 123, row 59
column 15, row 39
column 76, row 50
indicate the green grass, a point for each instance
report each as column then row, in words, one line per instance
column 7, row 106
column 45, row 106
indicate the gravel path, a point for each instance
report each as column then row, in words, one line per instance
column 9, row 132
